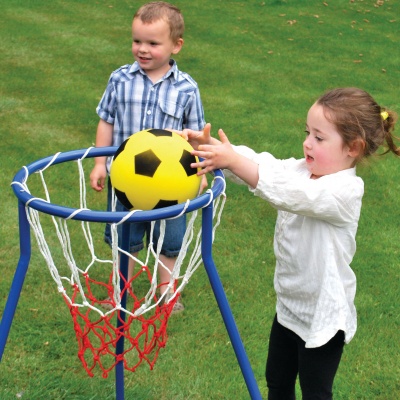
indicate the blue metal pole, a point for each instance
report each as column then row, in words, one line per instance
column 19, row 277
column 223, row 305
column 123, row 267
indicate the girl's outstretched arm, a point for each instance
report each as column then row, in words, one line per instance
column 221, row 155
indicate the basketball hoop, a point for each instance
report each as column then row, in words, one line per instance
column 138, row 314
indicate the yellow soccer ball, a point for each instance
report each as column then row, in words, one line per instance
column 152, row 169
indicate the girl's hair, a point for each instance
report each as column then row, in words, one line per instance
column 157, row 10
column 356, row 116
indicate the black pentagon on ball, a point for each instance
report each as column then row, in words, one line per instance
column 121, row 196
column 165, row 203
column 146, row 163
column 186, row 160
column 120, row 148
column 160, row 132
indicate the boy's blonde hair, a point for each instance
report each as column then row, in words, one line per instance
column 157, row 10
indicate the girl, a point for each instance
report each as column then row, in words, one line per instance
column 318, row 199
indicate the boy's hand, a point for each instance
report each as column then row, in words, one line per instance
column 98, row 177
column 203, row 184
column 103, row 138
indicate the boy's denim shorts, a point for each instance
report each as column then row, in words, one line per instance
column 174, row 232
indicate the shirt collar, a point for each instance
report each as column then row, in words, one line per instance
column 173, row 71
column 349, row 171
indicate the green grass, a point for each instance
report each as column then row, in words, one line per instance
column 259, row 65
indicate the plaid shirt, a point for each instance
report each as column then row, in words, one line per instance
column 131, row 102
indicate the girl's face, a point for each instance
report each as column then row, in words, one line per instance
column 324, row 150
column 152, row 47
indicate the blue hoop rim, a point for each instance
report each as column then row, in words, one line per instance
column 103, row 216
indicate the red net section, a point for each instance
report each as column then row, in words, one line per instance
column 143, row 336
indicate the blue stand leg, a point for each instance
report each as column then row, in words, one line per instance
column 119, row 368
column 224, row 307
column 19, row 277
column 20, row 273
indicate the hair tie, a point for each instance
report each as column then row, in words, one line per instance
column 384, row 115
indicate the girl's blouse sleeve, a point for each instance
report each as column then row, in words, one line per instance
column 250, row 154
column 287, row 186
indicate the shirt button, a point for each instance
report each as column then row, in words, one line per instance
column 152, row 89
column 148, row 112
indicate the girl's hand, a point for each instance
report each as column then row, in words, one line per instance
column 216, row 155
column 221, row 155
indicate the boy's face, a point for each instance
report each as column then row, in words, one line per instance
column 152, row 47
column 324, row 150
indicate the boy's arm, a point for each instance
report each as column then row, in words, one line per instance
column 103, row 139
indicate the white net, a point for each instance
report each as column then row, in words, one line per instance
column 96, row 292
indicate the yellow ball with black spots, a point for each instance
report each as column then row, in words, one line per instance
column 151, row 169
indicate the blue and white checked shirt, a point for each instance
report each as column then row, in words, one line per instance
column 131, row 102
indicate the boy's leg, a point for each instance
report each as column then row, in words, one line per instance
column 174, row 232
column 318, row 366
column 282, row 363
column 107, row 229
column 137, row 232
column 131, row 266
column 165, row 275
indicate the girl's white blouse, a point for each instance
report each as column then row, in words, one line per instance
column 314, row 244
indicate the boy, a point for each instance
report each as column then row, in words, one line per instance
column 150, row 93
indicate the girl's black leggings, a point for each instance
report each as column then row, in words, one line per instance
column 288, row 357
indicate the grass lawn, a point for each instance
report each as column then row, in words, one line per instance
column 260, row 65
